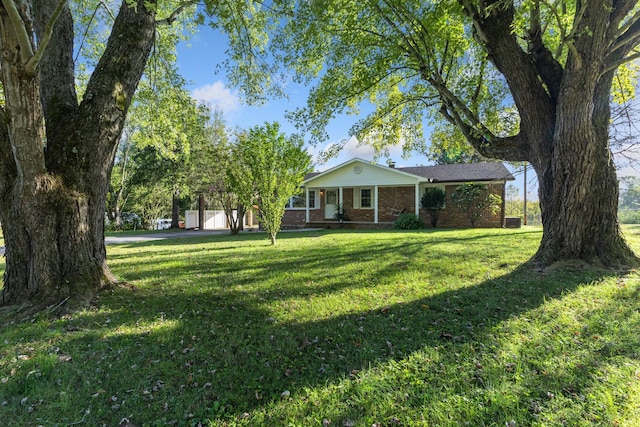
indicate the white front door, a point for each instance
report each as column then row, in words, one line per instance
column 330, row 204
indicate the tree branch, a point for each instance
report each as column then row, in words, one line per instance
column 454, row 104
column 100, row 116
column 511, row 148
column 629, row 39
column 174, row 15
column 625, row 43
column 46, row 38
column 57, row 75
column 457, row 113
column 616, row 64
column 549, row 69
column 618, row 15
column 26, row 50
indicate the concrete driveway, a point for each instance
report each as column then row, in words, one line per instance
column 117, row 240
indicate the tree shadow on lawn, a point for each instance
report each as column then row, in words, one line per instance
column 263, row 237
column 220, row 355
column 222, row 267
column 266, row 261
column 215, row 348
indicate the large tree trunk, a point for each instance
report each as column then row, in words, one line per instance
column 54, row 244
column 564, row 124
column 580, row 202
column 53, row 199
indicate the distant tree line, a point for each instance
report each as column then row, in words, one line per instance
column 629, row 205
column 234, row 171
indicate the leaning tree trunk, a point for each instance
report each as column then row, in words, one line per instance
column 580, row 201
column 53, row 188
column 564, row 122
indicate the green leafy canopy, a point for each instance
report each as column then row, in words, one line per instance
column 407, row 59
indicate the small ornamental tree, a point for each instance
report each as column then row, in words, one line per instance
column 474, row 199
column 276, row 164
column 433, row 201
column 241, row 192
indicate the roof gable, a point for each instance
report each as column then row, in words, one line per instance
column 357, row 172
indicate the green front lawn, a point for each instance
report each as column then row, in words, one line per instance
column 335, row 328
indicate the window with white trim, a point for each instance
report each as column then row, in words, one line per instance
column 312, row 199
column 366, row 199
column 299, row 201
column 362, row 198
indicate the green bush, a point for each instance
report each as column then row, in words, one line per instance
column 474, row 199
column 408, row 221
column 626, row 216
column 433, row 201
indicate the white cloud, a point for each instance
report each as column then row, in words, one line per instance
column 217, row 95
column 346, row 150
column 354, row 148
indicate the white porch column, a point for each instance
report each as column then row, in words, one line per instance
column 417, row 199
column 375, row 204
column 340, row 198
column 306, row 214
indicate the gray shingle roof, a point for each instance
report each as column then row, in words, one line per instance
column 311, row 175
column 486, row 171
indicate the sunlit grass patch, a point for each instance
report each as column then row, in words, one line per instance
column 339, row 328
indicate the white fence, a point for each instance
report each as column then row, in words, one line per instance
column 213, row 220
column 216, row 220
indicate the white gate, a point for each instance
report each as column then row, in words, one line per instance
column 213, row 220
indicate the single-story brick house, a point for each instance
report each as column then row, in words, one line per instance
column 372, row 195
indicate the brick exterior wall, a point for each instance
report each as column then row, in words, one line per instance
column 391, row 200
column 453, row 217
column 294, row 218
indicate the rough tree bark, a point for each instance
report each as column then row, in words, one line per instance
column 175, row 210
column 564, row 127
column 56, row 153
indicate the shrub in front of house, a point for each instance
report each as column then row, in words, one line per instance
column 433, row 201
column 408, row 221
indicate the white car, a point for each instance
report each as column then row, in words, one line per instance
column 162, row 224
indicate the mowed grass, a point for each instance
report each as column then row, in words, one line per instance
column 335, row 328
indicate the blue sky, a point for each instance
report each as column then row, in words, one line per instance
column 197, row 61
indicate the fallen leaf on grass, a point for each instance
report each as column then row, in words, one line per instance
column 447, row 336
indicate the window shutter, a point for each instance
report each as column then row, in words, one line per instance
column 356, row 198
